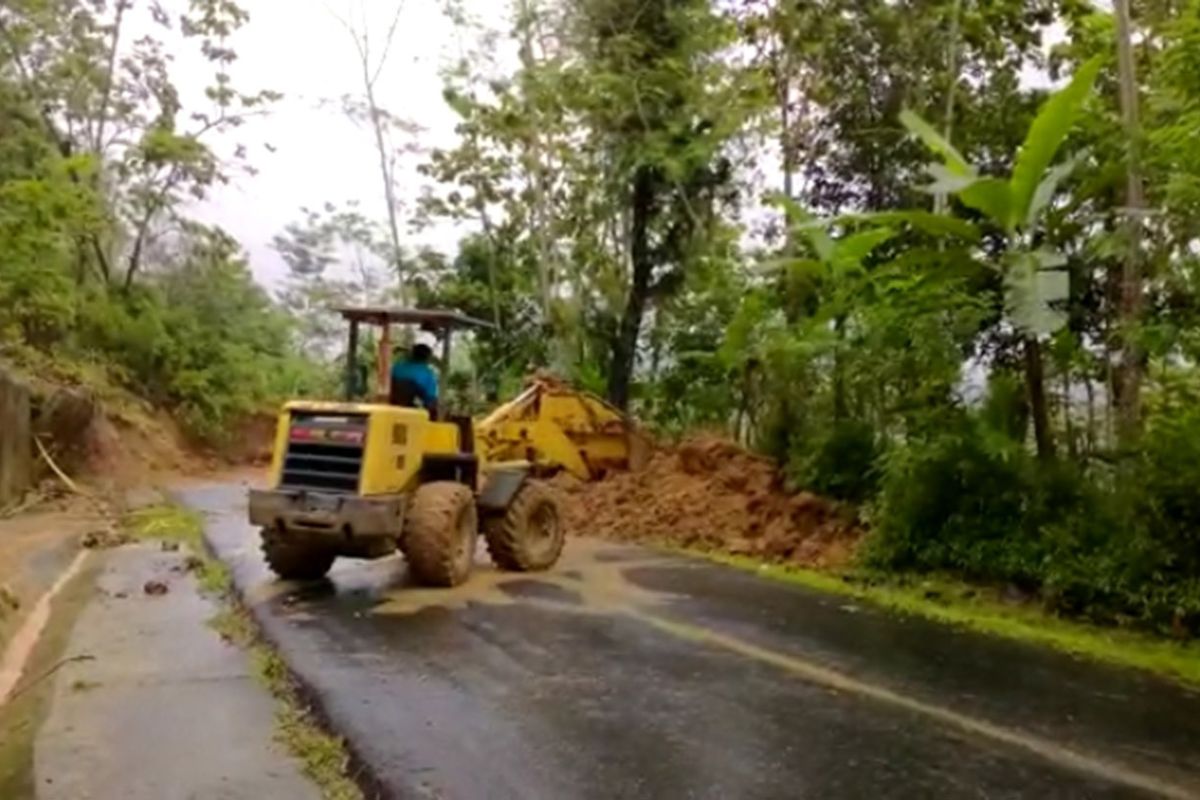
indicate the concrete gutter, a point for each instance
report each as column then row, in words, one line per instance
column 164, row 708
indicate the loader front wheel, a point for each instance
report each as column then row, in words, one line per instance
column 440, row 533
column 529, row 536
column 293, row 560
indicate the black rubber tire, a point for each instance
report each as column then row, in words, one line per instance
column 292, row 560
column 440, row 531
column 529, row 536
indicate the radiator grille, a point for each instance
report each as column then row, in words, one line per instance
column 325, row 452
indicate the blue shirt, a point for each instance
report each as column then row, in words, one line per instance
column 422, row 376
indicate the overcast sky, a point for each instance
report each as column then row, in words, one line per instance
column 299, row 48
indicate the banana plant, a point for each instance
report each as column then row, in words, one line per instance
column 1035, row 281
column 1034, row 277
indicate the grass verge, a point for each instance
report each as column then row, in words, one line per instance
column 21, row 717
column 324, row 758
column 982, row 610
column 176, row 525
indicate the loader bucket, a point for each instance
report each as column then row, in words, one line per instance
column 555, row 426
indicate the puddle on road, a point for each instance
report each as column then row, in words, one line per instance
column 589, row 577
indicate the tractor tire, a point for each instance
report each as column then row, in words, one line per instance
column 440, row 533
column 529, row 536
column 291, row 560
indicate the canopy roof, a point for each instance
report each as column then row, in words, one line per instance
column 430, row 319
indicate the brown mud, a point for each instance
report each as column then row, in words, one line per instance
column 709, row 493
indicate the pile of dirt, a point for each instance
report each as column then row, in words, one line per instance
column 711, row 494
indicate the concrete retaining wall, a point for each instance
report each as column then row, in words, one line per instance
column 16, row 457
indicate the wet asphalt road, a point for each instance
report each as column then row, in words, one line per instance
column 625, row 673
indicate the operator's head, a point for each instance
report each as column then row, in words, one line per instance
column 420, row 353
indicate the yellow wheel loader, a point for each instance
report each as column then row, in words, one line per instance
column 363, row 479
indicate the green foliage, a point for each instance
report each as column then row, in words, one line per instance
column 839, row 461
column 954, row 501
column 1046, row 135
column 202, row 339
column 97, row 262
column 894, row 357
column 968, row 502
column 1034, row 279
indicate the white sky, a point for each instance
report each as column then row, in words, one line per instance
column 298, row 47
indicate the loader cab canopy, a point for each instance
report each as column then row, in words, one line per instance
column 439, row 322
column 433, row 320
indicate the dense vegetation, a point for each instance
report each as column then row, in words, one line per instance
column 98, row 261
column 862, row 236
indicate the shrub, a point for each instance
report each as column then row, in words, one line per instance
column 1118, row 544
column 839, row 461
column 956, row 502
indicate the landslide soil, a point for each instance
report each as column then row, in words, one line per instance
column 710, row 494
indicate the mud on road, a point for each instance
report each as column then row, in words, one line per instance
column 626, row 673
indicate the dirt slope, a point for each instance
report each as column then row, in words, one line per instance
column 712, row 494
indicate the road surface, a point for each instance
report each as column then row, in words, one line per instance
column 627, row 673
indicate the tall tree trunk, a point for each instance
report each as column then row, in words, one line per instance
column 941, row 201
column 624, row 351
column 1129, row 384
column 370, row 76
column 485, row 220
column 109, row 72
column 1068, row 423
column 1091, row 414
column 1035, row 385
column 389, row 188
column 532, row 159
column 786, row 137
column 840, row 411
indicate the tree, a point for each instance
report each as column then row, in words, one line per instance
column 659, row 104
column 514, row 169
column 1035, row 283
column 114, row 101
column 367, row 110
column 1129, row 385
column 842, row 70
column 335, row 257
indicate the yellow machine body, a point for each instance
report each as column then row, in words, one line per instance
column 550, row 426
column 363, row 479
column 395, row 442
column 554, row 426
column 343, row 474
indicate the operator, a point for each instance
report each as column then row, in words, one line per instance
column 414, row 380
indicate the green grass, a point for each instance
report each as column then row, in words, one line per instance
column 172, row 523
column 980, row 609
column 323, row 757
column 166, row 522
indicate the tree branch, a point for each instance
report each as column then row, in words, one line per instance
column 110, row 70
column 387, row 42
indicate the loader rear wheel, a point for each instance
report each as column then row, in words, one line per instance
column 529, row 536
column 440, row 533
column 293, row 560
